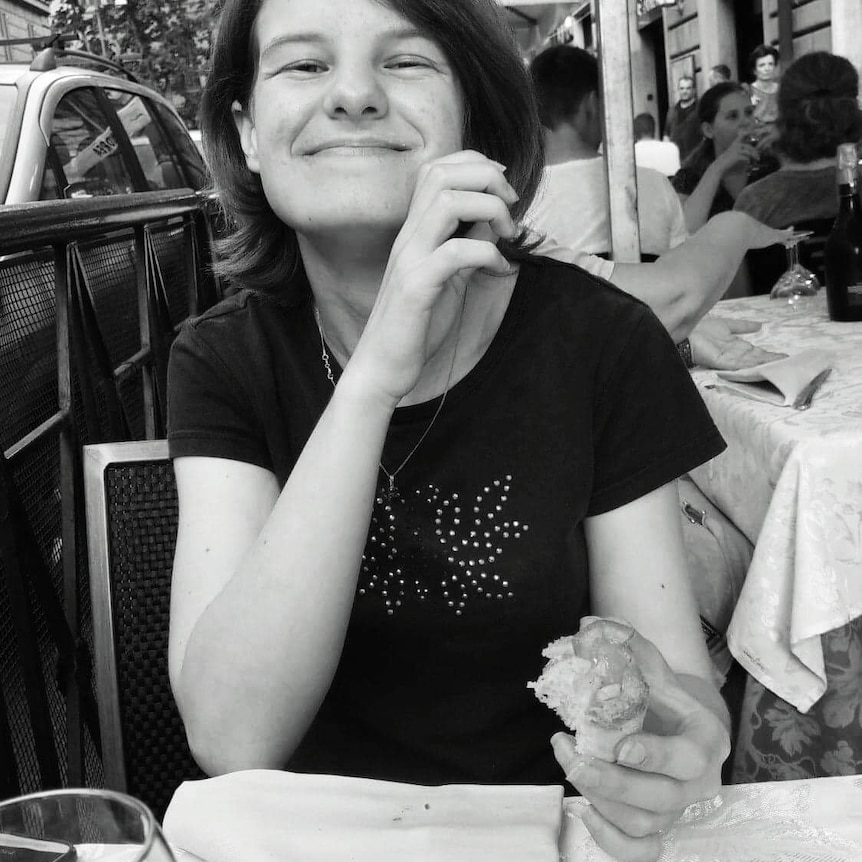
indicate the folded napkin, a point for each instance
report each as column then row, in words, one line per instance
column 778, row 382
column 272, row 816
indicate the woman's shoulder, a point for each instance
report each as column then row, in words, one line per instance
column 567, row 289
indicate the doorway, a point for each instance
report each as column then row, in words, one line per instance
column 748, row 15
column 653, row 38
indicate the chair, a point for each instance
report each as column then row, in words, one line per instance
column 765, row 265
column 131, row 505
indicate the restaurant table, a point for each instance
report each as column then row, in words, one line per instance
column 266, row 815
column 791, row 481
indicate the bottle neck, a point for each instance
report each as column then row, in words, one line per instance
column 848, row 196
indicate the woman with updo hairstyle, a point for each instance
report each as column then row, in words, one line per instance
column 818, row 109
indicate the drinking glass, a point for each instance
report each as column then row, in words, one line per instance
column 80, row 825
column 796, row 280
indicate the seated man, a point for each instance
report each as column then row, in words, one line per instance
column 572, row 202
column 661, row 156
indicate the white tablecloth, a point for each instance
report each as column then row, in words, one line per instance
column 264, row 816
column 818, row 820
column 792, row 482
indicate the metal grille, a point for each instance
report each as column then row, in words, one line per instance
column 142, row 523
column 102, row 246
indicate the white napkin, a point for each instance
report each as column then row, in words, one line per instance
column 273, row 816
column 778, row 382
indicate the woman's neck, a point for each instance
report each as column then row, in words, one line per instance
column 345, row 286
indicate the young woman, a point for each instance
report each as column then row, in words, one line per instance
column 409, row 453
column 725, row 161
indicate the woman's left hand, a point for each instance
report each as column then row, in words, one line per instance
column 656, row 774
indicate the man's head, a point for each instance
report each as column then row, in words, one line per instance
column 644, row 127
column 717, row 74
column 685, row 89
column 566, row 81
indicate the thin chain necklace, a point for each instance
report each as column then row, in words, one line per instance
column 391, row 492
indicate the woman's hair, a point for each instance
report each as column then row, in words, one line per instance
column 758, row 53
column 703, row 155
column 500, row 121
column 818, row 106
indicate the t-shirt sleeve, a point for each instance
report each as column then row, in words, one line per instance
column 651, row 425
column 209, row 412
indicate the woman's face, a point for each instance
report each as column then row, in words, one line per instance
column 764, row 68
column 349, row 102
column 734, row 118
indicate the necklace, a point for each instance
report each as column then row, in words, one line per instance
column 391, row 492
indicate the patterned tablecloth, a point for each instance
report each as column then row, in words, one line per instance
column 792, row 482
column 818, row 820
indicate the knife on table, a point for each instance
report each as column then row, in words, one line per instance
column 803, row 400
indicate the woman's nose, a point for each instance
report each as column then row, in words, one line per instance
column 356, row 93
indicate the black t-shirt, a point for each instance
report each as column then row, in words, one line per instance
column 580, row 405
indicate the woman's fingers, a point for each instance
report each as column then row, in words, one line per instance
column 633, row 821
column 617, row 843
column 652, row 792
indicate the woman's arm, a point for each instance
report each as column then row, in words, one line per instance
column 637, row 572
column 698, row 204
column 686, row 282
column 263, row 586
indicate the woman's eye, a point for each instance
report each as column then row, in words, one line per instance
column 409, row 63
column 306, row 67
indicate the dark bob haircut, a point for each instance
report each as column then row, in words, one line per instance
column 500, row 121
column 818, row 106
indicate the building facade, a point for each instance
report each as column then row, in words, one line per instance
column 670, row 38
column 21, row 19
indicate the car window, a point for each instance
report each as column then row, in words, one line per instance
column 84, row 143
column 189, row 153
column 159, row 161
column 7, row 105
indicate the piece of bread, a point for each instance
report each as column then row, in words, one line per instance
column 591, row 680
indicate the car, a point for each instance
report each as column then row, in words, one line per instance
column 74, row 124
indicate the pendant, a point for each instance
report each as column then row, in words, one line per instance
column 391, row 494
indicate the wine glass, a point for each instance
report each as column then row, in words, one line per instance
column 80, row 825
column 796, row 280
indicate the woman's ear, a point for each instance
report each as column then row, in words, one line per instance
column 706, row 130
column 247, row 136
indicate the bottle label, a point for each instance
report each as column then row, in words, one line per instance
column 855, row 290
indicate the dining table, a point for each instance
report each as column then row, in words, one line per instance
column 791, row 481
column 267, row 815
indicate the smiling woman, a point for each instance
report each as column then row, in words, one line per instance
column 406, row 448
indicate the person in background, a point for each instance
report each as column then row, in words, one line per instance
column 723, row 163
column 682, row 125
column 661, row 156
column 763, row 90
column 405, row 447
column 818, row 109
column 717, row 74
column 572, row 201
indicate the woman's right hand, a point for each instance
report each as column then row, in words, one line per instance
column 431, row 262
column 743, row 149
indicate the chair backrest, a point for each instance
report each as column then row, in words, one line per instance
column 131, row 532
column 765, row 265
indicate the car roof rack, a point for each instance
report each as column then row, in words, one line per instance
column 50, row 48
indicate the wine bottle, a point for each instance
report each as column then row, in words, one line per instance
column 843, row 252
